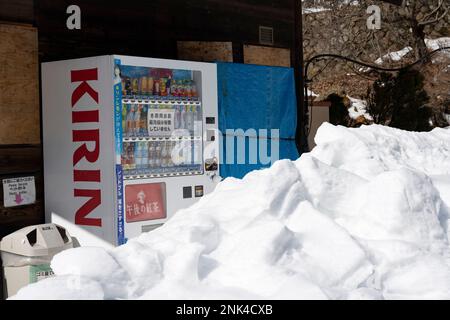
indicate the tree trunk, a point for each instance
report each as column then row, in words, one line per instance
column 420, row 46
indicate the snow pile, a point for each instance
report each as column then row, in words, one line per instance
column 363, row 216
column 434, row 44
column 314, row 10
column 358, row 108
column 394, row 56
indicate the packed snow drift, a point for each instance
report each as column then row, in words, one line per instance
column 363, row 216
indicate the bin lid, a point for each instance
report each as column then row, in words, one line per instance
column 36, row 241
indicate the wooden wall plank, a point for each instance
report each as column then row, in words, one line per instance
column 18, row 11
column 205, row 51
column 268, row 56
column 19, row 97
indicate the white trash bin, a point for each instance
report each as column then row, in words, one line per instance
column 27, row 253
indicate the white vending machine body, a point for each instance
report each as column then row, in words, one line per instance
column 128, row 142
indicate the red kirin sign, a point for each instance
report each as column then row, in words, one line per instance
column 81, row 136
column 145, row 202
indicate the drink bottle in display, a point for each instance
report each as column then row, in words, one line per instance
column 137, row 156
column 173, row 88
column 163, row 87
column 180, row 89
column 157, row 91
column 151, row 155
column 169, row 86
column 124, row 86
column 169, row 153
column 150, row 85
column 143, row 85
column 177, row 118
column 124, row 118
column 194, row 90
column 182, row 118
column 197, row 152
column 164, row 154
column 130, row 120
column 197, row 121
column 125, row 156
column 135, row 86
column 158, row 155
column 188, row 89
column 187, row 151
column 144, row 155
column 130, row 155
column 143, row 121
column 190, row 119
column 137, row 120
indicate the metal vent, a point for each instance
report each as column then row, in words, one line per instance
column 266, row 35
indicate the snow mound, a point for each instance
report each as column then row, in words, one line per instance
column 363, row 216
column 358, row 108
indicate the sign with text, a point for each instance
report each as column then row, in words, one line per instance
column 145, row 202
column 19, row 192
column 161, row 122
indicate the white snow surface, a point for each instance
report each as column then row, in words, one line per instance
column 432, row 44
column 363, row 216
column 394, row 56
column 358, row 108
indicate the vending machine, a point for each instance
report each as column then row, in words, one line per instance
column 128, row 142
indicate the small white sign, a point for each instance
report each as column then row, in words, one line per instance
column 161, row 122
column 19, row 192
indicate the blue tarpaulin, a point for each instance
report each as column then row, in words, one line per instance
column 254, row 98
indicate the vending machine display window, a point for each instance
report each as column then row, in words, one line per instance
column 162, row 122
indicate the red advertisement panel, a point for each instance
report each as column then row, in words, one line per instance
column 145, row 202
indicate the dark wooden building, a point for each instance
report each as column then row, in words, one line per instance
column 150, row 28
